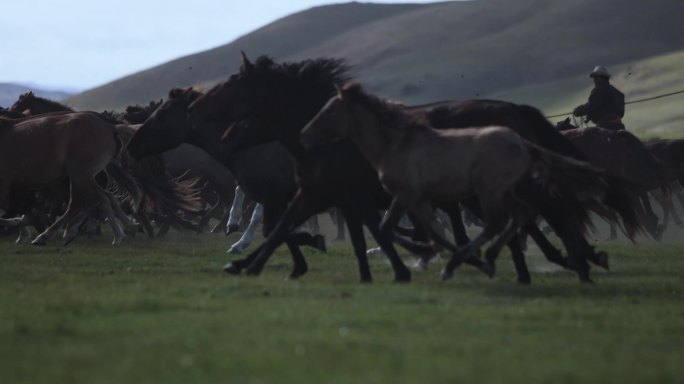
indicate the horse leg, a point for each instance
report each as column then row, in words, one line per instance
column 313, row 225
column 389, row 223
column 574, row 243
column 301, row 208
column 115, row 207
column 425, row 214
column 338, row 219
column 358, row 240
column 235, row 217
column 78, row 195
column 222, row 225
column 506, row 236
column 551, row 253
column 72, row 228
column 384, row 239
column 459, row 232
column 519, row 262
column 108, row 206
column 182, row 222
column 143, row 219
column 248, row 235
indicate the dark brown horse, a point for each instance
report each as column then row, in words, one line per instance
column 266, row 174
column 43, row 150
column 625, row 157
column 262, row 93
column 419, row 164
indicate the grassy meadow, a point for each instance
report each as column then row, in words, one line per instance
column 162, row 310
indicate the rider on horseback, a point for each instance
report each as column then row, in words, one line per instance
column 606, row 105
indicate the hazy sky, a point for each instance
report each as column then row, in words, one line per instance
column 85, row 43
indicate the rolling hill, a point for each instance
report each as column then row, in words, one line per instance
column 534, row 51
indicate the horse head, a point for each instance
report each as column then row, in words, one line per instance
column 167, row 127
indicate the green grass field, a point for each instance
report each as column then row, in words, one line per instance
column 163, row 311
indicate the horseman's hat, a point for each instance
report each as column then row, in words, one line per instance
column 600, row 71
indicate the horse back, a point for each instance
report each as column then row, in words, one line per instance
column 41, row 148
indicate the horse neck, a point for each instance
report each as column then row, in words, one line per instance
column 41, row 106
column 207, row 138
column 371, row 134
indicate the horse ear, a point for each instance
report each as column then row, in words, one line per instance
column 246, row 64
column 340, row 92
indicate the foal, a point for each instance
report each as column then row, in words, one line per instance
column 418, row 164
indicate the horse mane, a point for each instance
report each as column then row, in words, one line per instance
column 310, row 73
column 25, row 97
column 184, row 94
column 137, row 114
column 390, row 112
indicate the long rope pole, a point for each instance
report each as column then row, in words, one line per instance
column 629, row 102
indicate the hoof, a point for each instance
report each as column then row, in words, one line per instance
column 374, row 251
column 40, row 240
column 232, row 269
column 69, row 239
column 603, row 260
column 253, row 270
column 524, row 280
column 366, row 280
column 298, row 272
column 402, row 279
column 115, row 242
column 231, row 228
column 319, row 243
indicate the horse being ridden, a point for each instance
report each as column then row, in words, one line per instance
column 419, row 164
column 624, row 156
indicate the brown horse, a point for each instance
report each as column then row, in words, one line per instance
column 624, row 156
column 155, row 190
column 419, row 164
column 43, row 150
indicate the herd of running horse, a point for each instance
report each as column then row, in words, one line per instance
column 300, row 138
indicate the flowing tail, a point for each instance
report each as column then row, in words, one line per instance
column 579, row 188
column 124, row 185
column 655, row 167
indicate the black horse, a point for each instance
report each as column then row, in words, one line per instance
column 266, row 173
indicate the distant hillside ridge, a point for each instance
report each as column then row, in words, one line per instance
column 9, row 93
column 424, row 52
